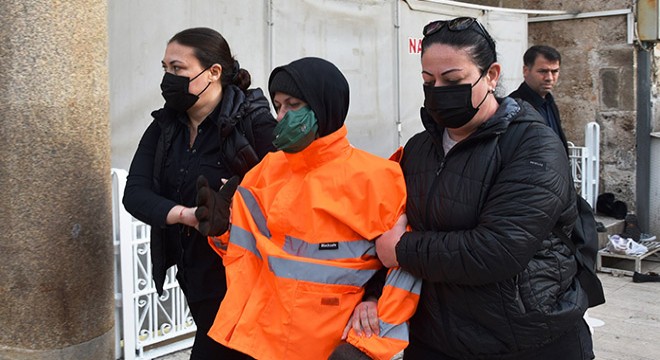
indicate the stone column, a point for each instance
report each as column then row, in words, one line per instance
column 56, row 255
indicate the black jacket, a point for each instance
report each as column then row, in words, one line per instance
column 163, row 174
column 495, row 280
column 526, row 93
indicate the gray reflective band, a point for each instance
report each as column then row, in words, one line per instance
column 323, row 274
column 219, row 244
column 344, row 250
column 403, row 280
column 399, row 332
column 244, row 239
column 255, row 210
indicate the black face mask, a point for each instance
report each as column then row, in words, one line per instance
column 175, row 91
column 451, row 106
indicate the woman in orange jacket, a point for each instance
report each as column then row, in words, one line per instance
column 300, row 248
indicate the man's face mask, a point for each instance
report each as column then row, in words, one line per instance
column 175, row 91
column 296, row 130
column 451, row 106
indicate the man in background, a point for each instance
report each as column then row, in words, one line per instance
column 541, row 72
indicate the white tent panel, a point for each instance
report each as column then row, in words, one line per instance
column 510, row 33
column 357, row 36
column 371, row 41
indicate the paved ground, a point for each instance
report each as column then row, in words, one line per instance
column 632, row 319
column 181, row 355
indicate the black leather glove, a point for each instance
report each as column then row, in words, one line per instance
column 213, row 207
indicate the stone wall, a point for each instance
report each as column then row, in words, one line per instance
column 56, row 255
column 597, row 83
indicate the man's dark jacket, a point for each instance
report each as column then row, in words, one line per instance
column 526, row 93
column 495, row 279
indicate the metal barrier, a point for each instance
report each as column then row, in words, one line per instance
column 585, row 163
column 147, row 326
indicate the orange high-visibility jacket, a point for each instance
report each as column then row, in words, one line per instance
column 300, row 250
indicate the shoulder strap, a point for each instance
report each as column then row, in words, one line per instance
column 237, row 141
column 242, row 120
column 167, row 131
column 586, row 272
column 564, row 238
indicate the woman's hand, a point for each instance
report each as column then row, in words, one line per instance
column 188, row 217
column 364, row 319
column 386, row 243
column 182, row 215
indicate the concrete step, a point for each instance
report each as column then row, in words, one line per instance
column 613, row 226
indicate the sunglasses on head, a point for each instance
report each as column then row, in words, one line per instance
column 458, row 24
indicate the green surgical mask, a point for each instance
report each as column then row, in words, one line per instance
column 296, row 131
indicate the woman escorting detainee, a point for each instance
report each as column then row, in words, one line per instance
column 211, row 125
column 487, row 183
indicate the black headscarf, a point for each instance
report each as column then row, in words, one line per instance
column 322, row 86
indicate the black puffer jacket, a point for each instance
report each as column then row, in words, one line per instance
column 495, row 280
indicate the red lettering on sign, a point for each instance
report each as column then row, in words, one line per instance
column 414, row 45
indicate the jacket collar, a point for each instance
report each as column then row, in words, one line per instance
column 332, row 147
column 533, row 97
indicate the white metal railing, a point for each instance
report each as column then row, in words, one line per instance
column 585, row 163
column 147, row 326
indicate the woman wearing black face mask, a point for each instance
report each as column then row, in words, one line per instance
column 487, row 183
column 211, row 125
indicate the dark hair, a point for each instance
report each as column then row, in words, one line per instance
column 211, row 48
column 547, row 52
column 472, row 39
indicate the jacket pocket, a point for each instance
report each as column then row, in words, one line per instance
column 318, row 315
column 539, row 284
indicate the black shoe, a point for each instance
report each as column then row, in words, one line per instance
column 650, row 277
column 600, row 227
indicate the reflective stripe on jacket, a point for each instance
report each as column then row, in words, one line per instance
column 299, row 253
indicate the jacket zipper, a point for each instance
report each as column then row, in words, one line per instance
column 432, row 190
column 442, row 166
column 518, row 299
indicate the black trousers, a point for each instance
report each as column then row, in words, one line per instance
column 205, row 348
column 575, row 344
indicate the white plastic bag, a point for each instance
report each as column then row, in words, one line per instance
column 625, row 246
